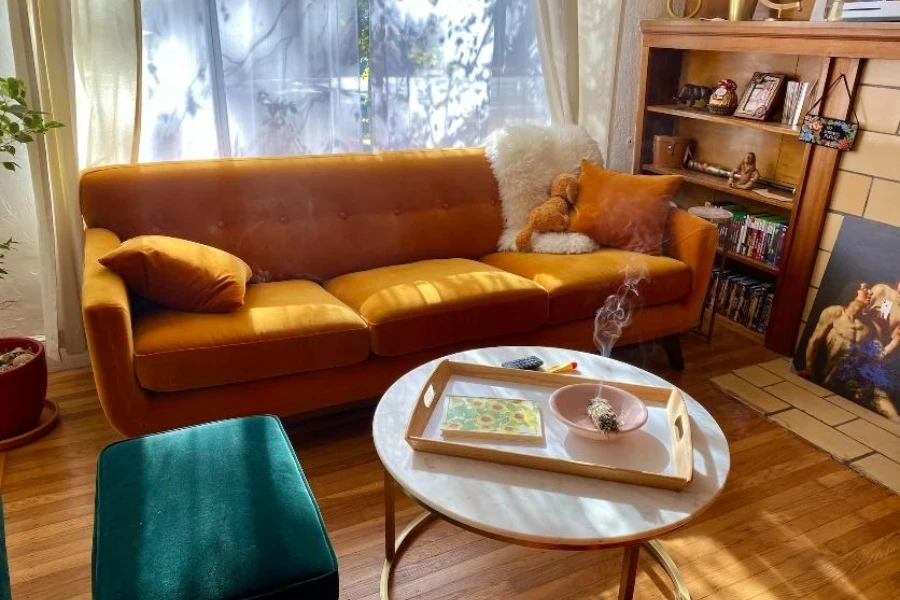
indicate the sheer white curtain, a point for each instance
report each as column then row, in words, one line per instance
column 447, row 73
column 48, row 41
column 282, row 77
column 247, row 78
column 557, row 36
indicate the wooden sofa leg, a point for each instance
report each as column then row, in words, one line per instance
column 672, row 346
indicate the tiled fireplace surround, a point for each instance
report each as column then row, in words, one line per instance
column 854, row 435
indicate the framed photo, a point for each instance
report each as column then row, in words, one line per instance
column 761, row 97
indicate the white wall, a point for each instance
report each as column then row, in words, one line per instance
column 22, row 287
column 610, row 62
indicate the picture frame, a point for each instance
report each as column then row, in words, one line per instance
column 761, row 97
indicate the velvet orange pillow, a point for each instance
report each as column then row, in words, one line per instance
column 621, row 210
column 180, row 274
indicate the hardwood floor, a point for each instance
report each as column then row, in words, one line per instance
column 791, row 523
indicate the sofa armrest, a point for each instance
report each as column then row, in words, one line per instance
column 107, row 323
column 693, row 241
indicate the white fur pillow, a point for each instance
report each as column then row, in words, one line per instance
column 525, row 159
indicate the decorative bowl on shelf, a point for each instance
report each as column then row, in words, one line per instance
column 569, row 405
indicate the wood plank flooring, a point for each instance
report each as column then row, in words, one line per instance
column 791, row 523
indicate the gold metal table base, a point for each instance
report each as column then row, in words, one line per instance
column 394, row 546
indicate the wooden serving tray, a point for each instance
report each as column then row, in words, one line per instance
column 661, row 456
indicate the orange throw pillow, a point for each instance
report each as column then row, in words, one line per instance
column 623, row 211
column 180, row 274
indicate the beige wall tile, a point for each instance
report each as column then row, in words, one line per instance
column 869, row 415
column 810, row 299
column 833, row 222
column 881, row 469
column 874, row 437
column 819, row 268
column 876, row 154
column 832, row 441
column 813, row 405
column 884, row 201
column 878, row 109
column 758, row 376
column 882, row 72
column 850, row 192
column 749, row 394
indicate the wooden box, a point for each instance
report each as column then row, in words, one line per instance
column 658, row 455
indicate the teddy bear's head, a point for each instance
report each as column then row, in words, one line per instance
column 565, row 186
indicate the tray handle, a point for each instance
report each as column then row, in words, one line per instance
column 680, row 429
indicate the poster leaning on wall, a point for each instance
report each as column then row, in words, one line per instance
column 851, row 342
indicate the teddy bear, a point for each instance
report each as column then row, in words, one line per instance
column 553, row 214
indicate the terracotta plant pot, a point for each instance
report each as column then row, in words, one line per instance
column 22, row 389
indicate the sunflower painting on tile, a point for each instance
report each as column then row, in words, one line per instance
column 498, row 418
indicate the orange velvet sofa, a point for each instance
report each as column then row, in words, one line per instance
column 364, row 267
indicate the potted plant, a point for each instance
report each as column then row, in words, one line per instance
column 23, row 364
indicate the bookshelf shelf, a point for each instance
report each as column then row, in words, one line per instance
column 746, row 260
column 720, row 185
column 727, row 323
column 702, row 115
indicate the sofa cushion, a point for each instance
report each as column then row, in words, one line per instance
column 434, row 303
column 578, row 284
column 180, row 274
column 283, row 328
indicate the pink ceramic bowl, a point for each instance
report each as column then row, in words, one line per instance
column 570, row 403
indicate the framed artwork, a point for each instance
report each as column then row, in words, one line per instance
column 761, row 97
column 851, row 342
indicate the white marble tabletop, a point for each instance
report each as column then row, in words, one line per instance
column 534, row 506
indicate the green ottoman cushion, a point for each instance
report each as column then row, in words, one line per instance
column 4, row 566
column 213, row 512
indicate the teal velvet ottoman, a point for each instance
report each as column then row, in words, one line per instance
column 4, row 566
column 212, row 512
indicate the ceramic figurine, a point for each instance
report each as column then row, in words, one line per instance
column 724, row 100
column 745, row 176
column 691, row 93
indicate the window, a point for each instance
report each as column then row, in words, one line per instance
column 248, row 78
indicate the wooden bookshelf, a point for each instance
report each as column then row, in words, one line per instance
column 721, row 185
column 687, row 112
column 750, row 262
column 676, row 52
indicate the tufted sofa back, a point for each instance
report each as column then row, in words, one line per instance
column 310, row 217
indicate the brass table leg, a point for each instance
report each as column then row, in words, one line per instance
column 394, row 546
column 665, row 561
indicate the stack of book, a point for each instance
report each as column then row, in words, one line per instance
column 795, row 102
column 742, row 299
column 757, row 235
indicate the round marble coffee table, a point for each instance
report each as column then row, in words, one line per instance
column 538, row 508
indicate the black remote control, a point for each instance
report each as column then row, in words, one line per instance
column 529, row 363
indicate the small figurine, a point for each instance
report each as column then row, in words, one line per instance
column 724, row 100
column 691, row 93
column 744, row 177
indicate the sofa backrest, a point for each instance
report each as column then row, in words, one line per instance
column 310, row 217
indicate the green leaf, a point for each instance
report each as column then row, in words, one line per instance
column 18, row 109
column 23, row 138
column 13, row 128
column 54, row 124
column 9, row 166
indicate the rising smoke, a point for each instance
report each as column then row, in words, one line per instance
column 618, row 309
